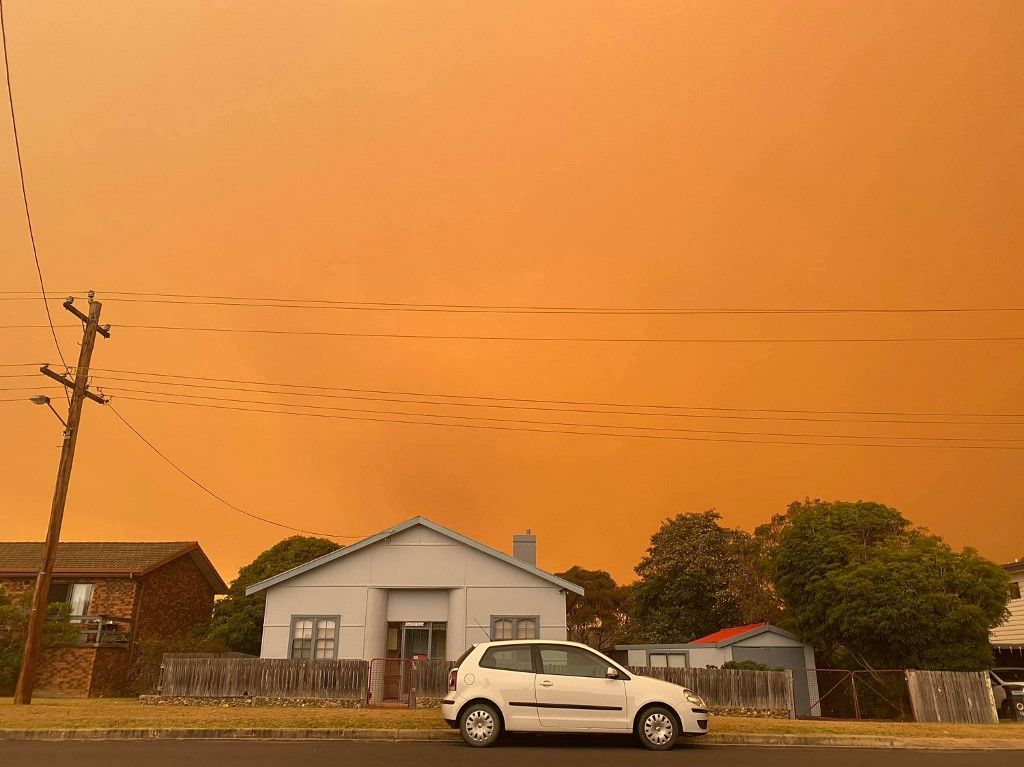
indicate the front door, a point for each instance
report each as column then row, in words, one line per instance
column 416, row 647
column 574, row 693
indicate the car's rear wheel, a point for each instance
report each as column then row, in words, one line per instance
column 657, row 729
column 480, row 725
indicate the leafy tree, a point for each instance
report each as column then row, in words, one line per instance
column 860, row 581
column 598, row 617
column 57, row 630
column 143, row 675
column 238, row 619
column 696, row 578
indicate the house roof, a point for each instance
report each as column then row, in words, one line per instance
column 106, row 558
column 424, row 522
column 724, row 634
column 721, row 638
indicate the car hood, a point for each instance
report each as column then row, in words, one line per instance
column 668, row 689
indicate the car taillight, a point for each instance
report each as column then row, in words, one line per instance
column 453, row 676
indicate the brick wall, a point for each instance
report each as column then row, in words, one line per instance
column 109, row 671
column 173, row 598
column 114, row 597
column 13, row 588
column 65, row 670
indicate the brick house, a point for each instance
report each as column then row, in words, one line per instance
column 120, row 594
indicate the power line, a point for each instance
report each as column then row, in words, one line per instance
column 564, row 423
column 634, row 435
column 573, row 339
column 24, row 191
column 391, row 306
column 595, row 403
column 503, row 405
column 214, row 495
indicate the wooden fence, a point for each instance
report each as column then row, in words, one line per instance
column 220, row 677
column 952, row 696
column 731, row 687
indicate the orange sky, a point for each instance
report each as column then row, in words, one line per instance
column 640, row 154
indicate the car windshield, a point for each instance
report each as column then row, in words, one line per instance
column 1010, row 674
column 463, row 656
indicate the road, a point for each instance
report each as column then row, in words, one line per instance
column 514, row 752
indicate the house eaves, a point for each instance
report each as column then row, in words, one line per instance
column 366, row 542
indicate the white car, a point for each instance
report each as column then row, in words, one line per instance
column 550, row 686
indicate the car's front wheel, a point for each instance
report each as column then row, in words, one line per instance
column 480, row 725
column 658, row 729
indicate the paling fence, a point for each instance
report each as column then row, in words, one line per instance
column 952, row 696
column 923, row 696
column 206, row 677
column 731, row 688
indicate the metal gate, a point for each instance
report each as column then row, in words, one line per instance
column 391, row 683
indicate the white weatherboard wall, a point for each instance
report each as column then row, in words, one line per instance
column 416, row 574
column 1012, row 632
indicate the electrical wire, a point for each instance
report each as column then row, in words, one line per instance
column 395, row 306
column 594, row 403
column 24, row 191
column 573, row 339
column 540, row 408
column 332, row 408
column 214, row 495
column 497, row 427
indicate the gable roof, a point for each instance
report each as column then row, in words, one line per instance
column 723, row 634
column 95, row 558
column 424, row 522
column 721, row 638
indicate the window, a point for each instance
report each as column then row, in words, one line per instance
column 76, row 595
column 667, row 660
column 314, row 637
column 509, row 658
column 79, row 597
column 1015, row 590
column 514, row 627
column 571, row 661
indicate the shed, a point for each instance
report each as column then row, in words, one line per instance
column 758, row 642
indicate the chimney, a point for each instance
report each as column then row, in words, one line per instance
column 524, row 547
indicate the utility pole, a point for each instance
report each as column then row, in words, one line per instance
column 80, row 391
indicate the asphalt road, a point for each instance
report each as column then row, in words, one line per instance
column 513, row 752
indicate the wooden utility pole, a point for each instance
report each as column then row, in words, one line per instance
column 80, row 391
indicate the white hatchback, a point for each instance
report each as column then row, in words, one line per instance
column 550, row 686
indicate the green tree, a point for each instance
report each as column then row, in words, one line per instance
column 861, row 582
column 598, row 617
column 57, row 630
column 696, row 578
column 238, row 619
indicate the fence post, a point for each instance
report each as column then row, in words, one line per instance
column 909, row 676
column 791, row 693
column 856, row 702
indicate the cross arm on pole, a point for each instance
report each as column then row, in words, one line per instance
column 70, row 384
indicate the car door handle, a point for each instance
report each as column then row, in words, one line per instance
column 546, row 683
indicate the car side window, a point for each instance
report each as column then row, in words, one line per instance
column 508, row 658
column 571, row 661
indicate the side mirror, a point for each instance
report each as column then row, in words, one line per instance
column 612, row 673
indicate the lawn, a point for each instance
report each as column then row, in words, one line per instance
column 100, row 713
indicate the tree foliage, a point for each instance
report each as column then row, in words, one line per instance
column 696, row 578
column 238, row 619
column 597, row 618
column 860, row 581
column 57, row 630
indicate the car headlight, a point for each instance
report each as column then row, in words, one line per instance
column 695, row 699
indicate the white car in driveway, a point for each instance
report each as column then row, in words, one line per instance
column 549, row 686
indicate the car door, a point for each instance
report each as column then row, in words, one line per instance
column 575, row 693
column 507, row 674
